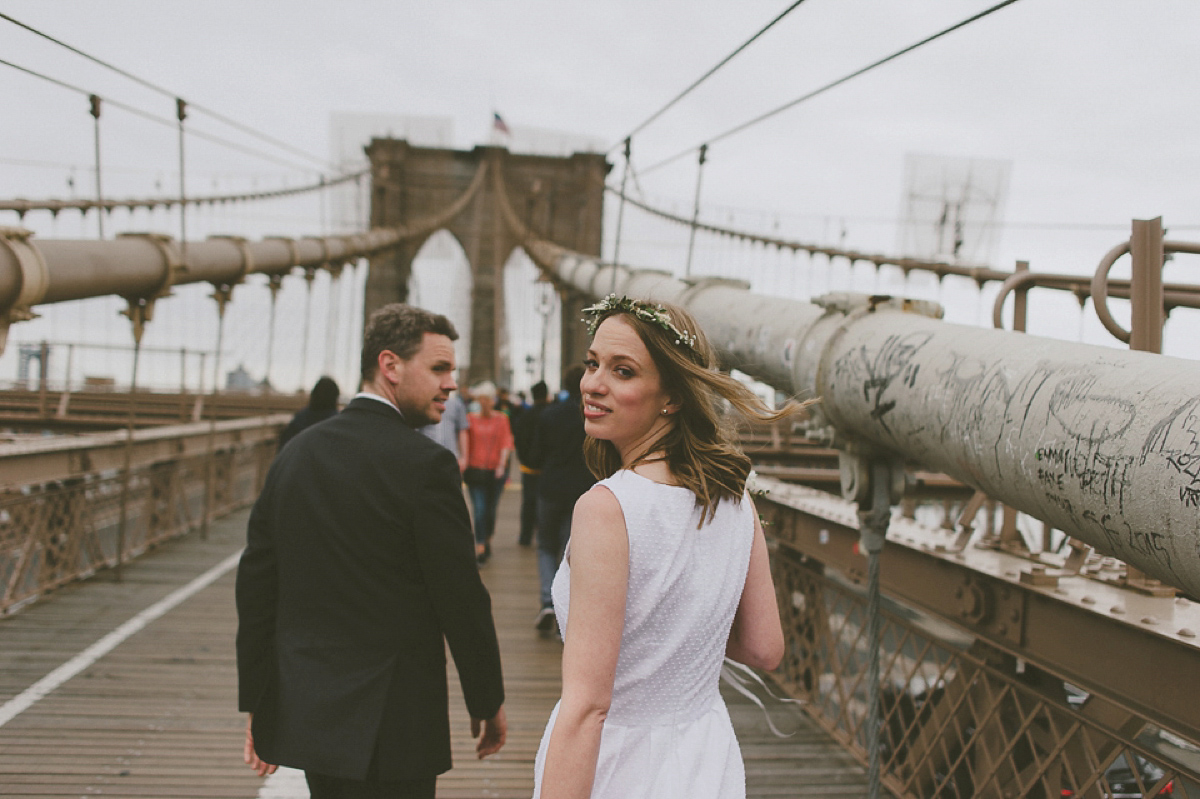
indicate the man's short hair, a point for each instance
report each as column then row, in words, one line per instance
column 400, row 329
column 539, row 391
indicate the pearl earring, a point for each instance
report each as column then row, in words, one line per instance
column 664, row 412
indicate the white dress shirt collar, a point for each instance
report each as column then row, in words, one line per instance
column 378, row 398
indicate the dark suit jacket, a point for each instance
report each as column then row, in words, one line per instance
column 359, row 567
column 558, row 443
column 305, row 417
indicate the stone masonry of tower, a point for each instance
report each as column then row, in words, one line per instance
column 558, row 199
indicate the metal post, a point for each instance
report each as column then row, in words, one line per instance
column 95, row 101
column 1146, row 285
column 687, row 270
column 1021, row 301
column 1009, row 536
column 620, row 217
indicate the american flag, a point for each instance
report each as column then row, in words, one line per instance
column 498, row 124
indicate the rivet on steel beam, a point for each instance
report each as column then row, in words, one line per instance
column 1117, row 610
column 1186, row 633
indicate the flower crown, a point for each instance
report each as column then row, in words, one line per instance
column 654, row 314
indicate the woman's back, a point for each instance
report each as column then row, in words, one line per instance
column 667, row 733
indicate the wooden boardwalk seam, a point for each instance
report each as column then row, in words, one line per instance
column 156, row 716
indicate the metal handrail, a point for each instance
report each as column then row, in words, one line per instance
column 1177, row 295
column 1100, row 283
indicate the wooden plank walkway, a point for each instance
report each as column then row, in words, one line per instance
column 87, row 712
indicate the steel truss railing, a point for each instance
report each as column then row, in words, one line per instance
column 960, row 715
column 61, row 520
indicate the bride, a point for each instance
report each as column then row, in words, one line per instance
column 666, row 573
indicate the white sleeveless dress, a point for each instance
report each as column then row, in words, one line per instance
column 668, row 734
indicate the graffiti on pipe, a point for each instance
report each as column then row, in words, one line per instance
column 1176, row 439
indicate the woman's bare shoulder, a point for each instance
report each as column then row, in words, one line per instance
column 600, row 503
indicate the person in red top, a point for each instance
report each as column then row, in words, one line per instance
column 489, row 443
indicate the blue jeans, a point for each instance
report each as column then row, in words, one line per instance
column 529, row 500
column 484, row 499
column 553, row 533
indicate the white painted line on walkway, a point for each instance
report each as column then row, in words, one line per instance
column 31, row 695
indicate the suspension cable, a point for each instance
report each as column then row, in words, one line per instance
column 828, row 86
column 54, row 206
column 705, row 76
column 155, row 118
column 154, row 87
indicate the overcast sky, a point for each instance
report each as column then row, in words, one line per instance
column 1092, row 103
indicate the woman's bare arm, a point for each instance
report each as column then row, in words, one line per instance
column 757, row 636
column 592, row 641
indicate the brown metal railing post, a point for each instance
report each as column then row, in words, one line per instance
column 43, row 357
column 1146, row 250
column 1021, row 301
column 1008, row 524
column 1147, row 314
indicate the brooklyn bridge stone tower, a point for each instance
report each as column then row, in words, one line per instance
column 557, row 199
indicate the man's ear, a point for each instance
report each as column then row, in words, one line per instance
column 391, row 366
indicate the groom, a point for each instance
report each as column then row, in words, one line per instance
column 359, row 568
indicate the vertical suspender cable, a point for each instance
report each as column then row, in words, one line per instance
column 354, row 319
column 331, row 318
column 620, row 216
column 687, row 269
column 321, row 198
column 95, row 101
column 128, row 465
column 221, row 295
column 183, row 384
column 345, row 317
column 873, row 525
column 181, row 114
column 273, row 283
column 874, row 643
column 310, row 274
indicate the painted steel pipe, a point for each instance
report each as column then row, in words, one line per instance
column 135, row 266
column 1101, row 443
column 145, row 266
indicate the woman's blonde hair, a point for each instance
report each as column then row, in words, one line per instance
column 701, row 447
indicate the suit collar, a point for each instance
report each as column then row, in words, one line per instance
column 384, row 409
